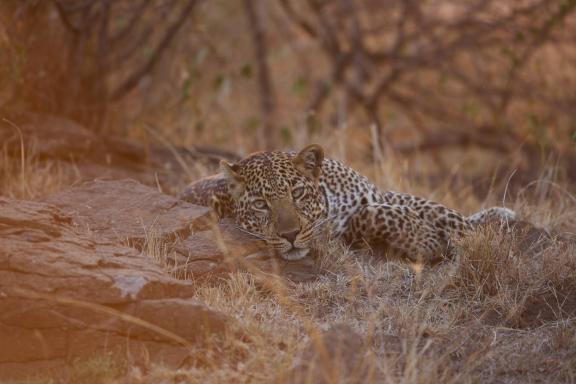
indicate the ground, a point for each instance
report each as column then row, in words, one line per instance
column 502, row 311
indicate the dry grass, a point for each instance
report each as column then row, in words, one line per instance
column 459, row 322
column 26, row 176
column 498, row 312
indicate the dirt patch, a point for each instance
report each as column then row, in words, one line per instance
column 554, row 305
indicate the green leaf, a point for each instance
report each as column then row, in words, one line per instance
column 286, row 134
column 246, row 71
column 219, row 82
column 199, row 126
column 300, row 86
column 186, row 89
column 314, row 125
column 200, row 56
column 471, row 109
column 252, row 124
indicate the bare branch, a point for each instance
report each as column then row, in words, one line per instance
column 297, row 19
column 136, row 17
column 172, row 30
column 264, row 79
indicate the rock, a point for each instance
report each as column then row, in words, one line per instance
column 547, row 307
column 214, row 251
column 87, row 155
column 224, row 248
column 76, row 275
column 125, row 210
column 51, row 138
column 75, row 280
column 64, row 295
column 335, row 356
column 530, row 239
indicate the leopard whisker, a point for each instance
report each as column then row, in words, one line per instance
column 261, row 237
column 319, row 224
column 314, row 230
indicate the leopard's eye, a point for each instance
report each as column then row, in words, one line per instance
column 298, row 192
column 260, row 204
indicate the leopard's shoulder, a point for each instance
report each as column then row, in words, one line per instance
column 211, row 191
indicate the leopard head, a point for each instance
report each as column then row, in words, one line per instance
column 276, row 196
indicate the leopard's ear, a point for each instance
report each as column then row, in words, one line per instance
column 235, row 180
column 309, row 161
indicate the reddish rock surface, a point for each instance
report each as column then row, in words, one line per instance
column 126, row 211
column 65, row 295
column 121, row 210
column 77, row 276
column 223, row 248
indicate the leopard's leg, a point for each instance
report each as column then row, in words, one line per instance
column 398, row 228
column 449, row 223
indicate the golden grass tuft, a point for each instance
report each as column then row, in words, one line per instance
column 27, row 177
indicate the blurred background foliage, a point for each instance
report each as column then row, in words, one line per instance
column 424, row 79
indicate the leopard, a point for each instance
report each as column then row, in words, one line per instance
column 292, row 199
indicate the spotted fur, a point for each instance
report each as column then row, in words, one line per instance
column 289, row 198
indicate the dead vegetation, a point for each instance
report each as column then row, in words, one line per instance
column 503, row 310
column 469, row 104
column 496, row 313
column 24, row 176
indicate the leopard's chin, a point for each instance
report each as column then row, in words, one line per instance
column 295, row 254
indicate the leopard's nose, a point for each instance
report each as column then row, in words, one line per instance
column 290, row 236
